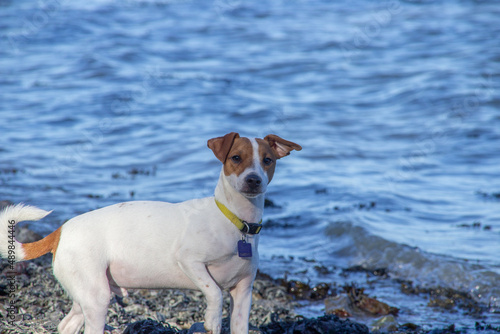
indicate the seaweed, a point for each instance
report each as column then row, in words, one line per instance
column 323, row 325
column 445, row 298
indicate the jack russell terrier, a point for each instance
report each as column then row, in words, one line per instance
column 206, row 244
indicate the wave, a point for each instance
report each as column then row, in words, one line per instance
column 361, row 248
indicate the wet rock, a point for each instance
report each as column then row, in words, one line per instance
column 369, row 305
column 409, row 327
column 445, row 298
column 446, row 303
column 447, row 330
column 320, row 291
column 20, row 268
column 354, row 302
column 298, row 289
column 324, row 324
column 24, row 235
column 486, row 327
column 149, row 327
column 322, row 270
column 339, row 306
column 270, row 204
column 385, row 324
column 155, row 327
column 340, row 312
column 303, row 291
column 380, row 272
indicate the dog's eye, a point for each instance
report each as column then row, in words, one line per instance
column 236, row 158
column 267, row 161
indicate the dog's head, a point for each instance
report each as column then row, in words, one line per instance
column 249, row 163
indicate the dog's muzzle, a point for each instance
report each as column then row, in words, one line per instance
column 253, row 184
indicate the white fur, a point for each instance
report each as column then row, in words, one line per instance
column 153, row 245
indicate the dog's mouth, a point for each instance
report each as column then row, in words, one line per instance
column 251, row 193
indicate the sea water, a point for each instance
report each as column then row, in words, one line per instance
column 396, row 105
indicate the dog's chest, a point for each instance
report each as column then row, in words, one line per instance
column 229, row 272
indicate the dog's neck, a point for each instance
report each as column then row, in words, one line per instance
column 248, row 209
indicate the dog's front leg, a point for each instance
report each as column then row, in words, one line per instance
column 199, row 275
column 241, row 302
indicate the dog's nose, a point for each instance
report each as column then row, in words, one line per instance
column 253, row 181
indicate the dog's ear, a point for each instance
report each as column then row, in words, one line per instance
column 222, row 145
column 280, row 146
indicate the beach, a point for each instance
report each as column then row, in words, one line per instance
column 38, row 303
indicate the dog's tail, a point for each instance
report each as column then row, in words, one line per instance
column 13, row 250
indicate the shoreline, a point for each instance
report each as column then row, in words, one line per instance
column 41, row 304
column 31, row 297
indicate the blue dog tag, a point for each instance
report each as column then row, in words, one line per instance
column 244, row 249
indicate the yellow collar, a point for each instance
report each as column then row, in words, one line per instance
column 242, row 225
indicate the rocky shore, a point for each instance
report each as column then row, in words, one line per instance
column 32, row 301
column 40, row 304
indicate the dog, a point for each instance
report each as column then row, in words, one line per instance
column 208, row 244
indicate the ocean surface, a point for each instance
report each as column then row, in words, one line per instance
column 395, row 103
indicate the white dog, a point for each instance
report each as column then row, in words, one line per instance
column 206, row 244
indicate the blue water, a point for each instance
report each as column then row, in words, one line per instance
column 396, row 105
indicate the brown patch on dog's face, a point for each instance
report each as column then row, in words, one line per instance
column 221, row 145
column 267, row 158
column 249, row 164
column 239, row 158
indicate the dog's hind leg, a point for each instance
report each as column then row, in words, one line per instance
column 90, row 292
column 73, row 321
column 95, row 304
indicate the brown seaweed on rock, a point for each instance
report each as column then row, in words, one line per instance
column 356, row 302
column 367, row 304
column 445, row 298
